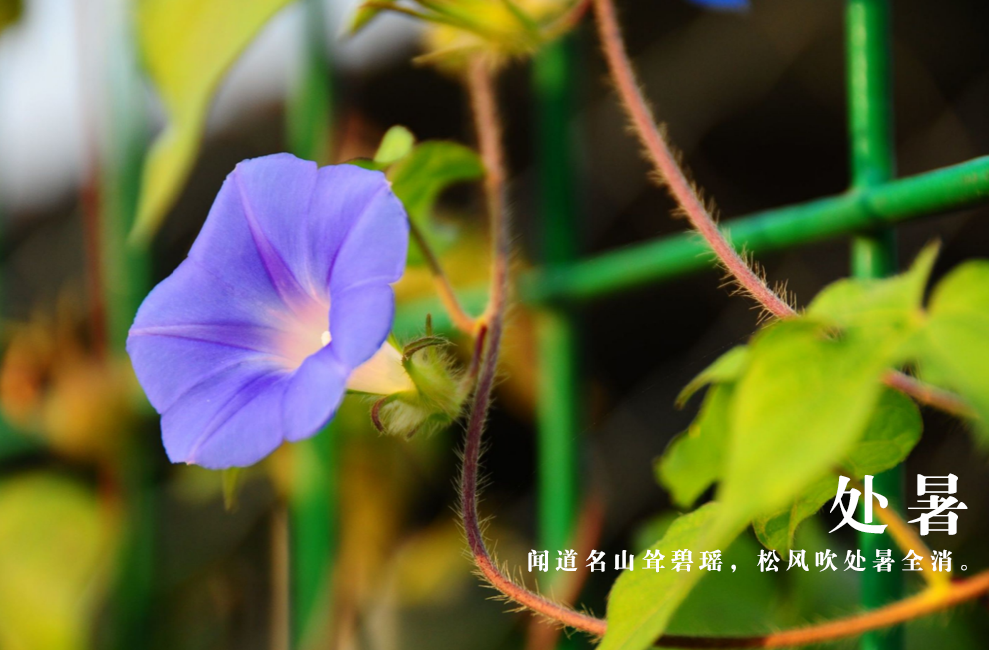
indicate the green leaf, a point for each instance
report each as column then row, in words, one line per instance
column 953, row 350
column 776, row 530
column 694, row 460
column 893, row 430
column 10, row 12
column 55, row 545
column 395, row 145
column 729, row 603
column 799, row 409
column 887, row 302
column 728, row 367
column 642, row 602
column 420, row 177
column 188, row 46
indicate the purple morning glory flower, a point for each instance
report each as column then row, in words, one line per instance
column 283, row 303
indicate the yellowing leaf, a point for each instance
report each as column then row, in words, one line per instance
column 54, row 548
column 187, row 45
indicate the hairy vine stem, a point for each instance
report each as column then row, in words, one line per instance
column 670, row 173
column 480, row 86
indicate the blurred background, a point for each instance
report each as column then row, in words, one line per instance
column 103, row 544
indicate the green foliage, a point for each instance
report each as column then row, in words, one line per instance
column 642, row 603
column 695, row 459
column 954, row 349
column 800, row 396
column 395, row 145
column 893, row 303
column 54, row 546
column 728, row 367
column 891, row 434
column 801, row 403
column 420, row 173
column 187, row 45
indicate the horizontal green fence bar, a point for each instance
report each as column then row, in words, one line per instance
column 942, row 190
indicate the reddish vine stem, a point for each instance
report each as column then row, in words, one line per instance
column 480, row 84
column 669, row 171
column 928, row 395
column 543, row 636
column 482, row 98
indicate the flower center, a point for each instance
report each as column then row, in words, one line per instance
column 306, row 332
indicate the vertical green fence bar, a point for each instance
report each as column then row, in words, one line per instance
column 869, row 54
column 313, row 502
column 126, row 276
column 558, row 399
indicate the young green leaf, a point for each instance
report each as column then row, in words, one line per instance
column 728, row 367
column 954, row 348
column 642, row 602
column 876, row 303
column 695, row 458
column 187, row 46
column 893, row 430
column 396, row 144
column 803, row 403
column 420, row 177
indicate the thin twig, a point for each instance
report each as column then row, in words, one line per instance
column 458, row 316
column 690, row 204
column 928, row 395
column 480, row 85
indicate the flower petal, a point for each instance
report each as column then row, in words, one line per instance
column 260, row 196
column 192, row 326
column 312, row 395
column 207, row 426
column 360, row 321
column 383, row 228
column 349, row 204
